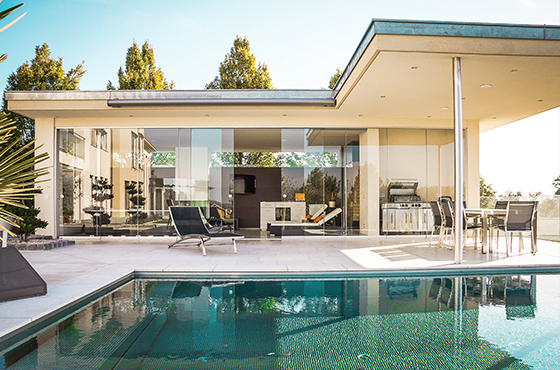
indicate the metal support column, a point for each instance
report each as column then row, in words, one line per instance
column 458, row 127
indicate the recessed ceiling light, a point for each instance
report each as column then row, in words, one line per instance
column 485, row 86
column 444, row 108
column 513, row 70
column 414, row 67
column 382, row 96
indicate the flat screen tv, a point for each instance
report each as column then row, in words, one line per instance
column 244, row 184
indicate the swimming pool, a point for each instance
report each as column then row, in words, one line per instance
column 490, row 322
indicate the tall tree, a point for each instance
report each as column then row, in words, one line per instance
column 140, row 71
column 334, row 78
column 42, row 73
column 487, row 194
column 240, row 71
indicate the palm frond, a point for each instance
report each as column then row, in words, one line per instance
column 18, row 171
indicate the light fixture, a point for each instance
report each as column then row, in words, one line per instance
column 444, row 108
column 485, row 86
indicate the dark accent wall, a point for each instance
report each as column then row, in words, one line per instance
column 247, row 207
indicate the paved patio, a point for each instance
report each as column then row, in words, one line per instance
column 75, row 271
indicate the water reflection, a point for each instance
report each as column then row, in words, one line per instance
column 365, row 323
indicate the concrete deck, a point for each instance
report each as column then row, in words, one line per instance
column 76, row 271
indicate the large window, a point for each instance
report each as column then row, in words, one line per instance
column 125, row 181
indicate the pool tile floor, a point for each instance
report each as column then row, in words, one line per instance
column 74, row 271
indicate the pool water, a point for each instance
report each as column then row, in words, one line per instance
column 492, row 322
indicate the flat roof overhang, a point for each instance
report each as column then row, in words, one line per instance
column 400, row 70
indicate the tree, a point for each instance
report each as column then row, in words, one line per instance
column 239, row 69
column 556, row 184
column 42, row 73
column 334, row 78
column 29, row 221
column 140, row 71
column 18, row 172
column 486, row 194
column 4, row 14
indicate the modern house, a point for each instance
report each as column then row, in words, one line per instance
column 379, row 146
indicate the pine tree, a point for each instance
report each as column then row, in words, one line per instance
column 140, row 71
column 240, row 71
column 334, row 78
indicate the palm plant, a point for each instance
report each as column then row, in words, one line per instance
column 18, row 172
column 4, row 14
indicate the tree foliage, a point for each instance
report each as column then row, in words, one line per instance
column 140, row 71
column 334, row 78
column 29, row 221
column 556, row 184
column 486, row 194
column 240, row 71
column 42, row 73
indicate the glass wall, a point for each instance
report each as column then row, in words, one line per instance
column 121, row 181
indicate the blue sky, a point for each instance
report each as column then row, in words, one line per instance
column 302, row 42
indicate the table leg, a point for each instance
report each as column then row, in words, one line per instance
column 484, row 233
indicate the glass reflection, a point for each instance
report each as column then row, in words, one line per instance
column 122, row 181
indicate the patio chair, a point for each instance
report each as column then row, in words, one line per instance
column 190, row 223
column 169, row 203
column 438, row 222
column 218, row 218
column 496, row 221
column 449, row 224
column 520, row 217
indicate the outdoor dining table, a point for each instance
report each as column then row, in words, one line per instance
column 485, row 214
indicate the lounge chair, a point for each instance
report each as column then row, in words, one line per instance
column 276, row 227
column 317, row 213
column 190, row 223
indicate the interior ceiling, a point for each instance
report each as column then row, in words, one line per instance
column 418, row 85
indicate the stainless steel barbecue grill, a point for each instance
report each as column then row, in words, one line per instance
column 405, row 212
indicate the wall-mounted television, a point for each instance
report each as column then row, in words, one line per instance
column 244, row 184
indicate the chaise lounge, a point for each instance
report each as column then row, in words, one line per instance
column 279, row 228
column 190, row 223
